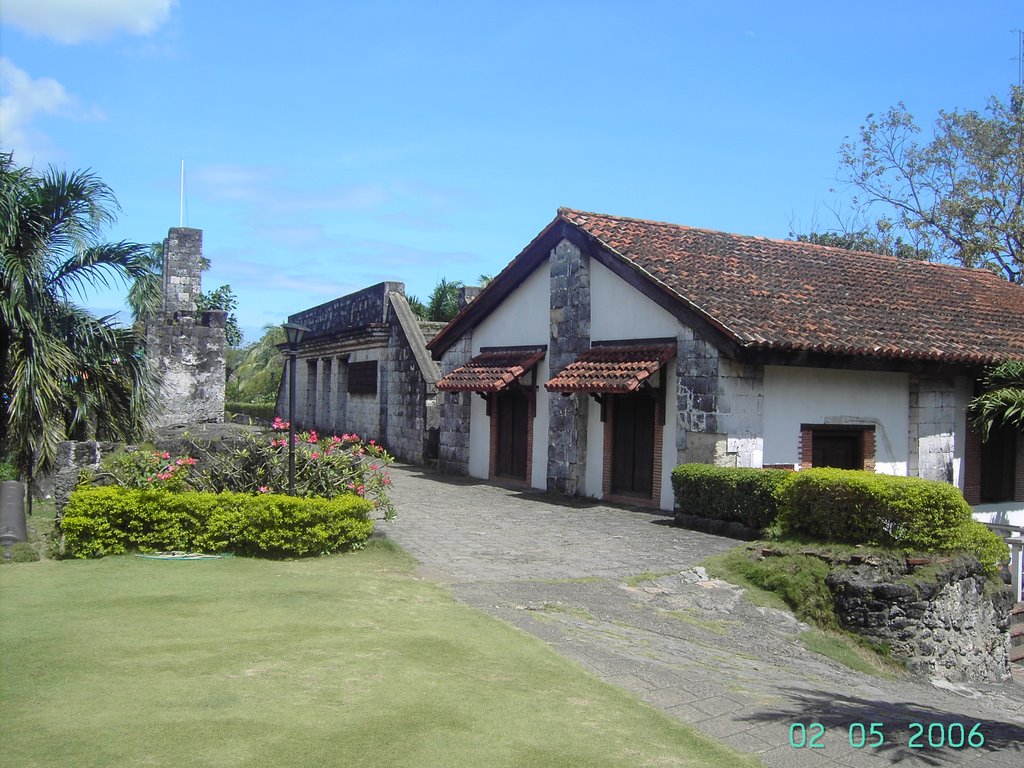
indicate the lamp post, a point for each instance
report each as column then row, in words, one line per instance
column 293, row 333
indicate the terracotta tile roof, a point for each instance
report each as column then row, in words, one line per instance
column 611, row 369
column 796, row 296
column 491, row 371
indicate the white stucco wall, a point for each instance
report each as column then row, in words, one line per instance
column 523, row 318
column 795, row 396
column 619, row 312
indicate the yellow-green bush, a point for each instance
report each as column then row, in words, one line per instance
column 111, row 520
column 891, row 511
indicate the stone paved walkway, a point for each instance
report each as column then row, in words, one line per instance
column 696, row 650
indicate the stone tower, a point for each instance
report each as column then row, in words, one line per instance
column 187, row 346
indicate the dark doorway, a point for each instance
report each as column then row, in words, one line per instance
column 510, row 460
column 633, row 445
column 998, row 465
column 838, row 449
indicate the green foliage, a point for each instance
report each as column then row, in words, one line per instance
column 111, row 520
column 63, row 372
column 798, row 580
column 877, row 239
column 22, row 552
column 748, row 496
column 958, row 198
column 255, row 370
column 1002, row 402
column 8, row 470
column 222, row 298
column 146, row 469
column 905, row 513
column 261, row 411
column 442, row 304
column 324, row 466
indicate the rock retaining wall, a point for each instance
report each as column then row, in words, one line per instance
column 954, row 626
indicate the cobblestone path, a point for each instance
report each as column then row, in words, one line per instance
column 567, row 573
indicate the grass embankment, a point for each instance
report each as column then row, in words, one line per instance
column 793, row 579
column 343, row 660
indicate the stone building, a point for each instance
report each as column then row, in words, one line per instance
column 612, row 349
column 363, row 368
column 186, row 345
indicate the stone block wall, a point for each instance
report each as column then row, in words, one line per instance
column 955, row 626
column 187, row 347
column 355, row 310
column 570, row 336
column 413, row 412
column 933, row 414
column 453, row 448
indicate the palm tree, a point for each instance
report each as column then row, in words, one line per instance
column 64, row 372
column 1002, row 402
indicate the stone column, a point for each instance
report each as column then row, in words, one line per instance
column 932, row 428
column 570, row 336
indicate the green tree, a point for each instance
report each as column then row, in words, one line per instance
column 957, row 198
column 63, row 371
column 256, row 369
column 1002, row 402
column 222, row 298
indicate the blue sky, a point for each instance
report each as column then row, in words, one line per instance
column 332, row 145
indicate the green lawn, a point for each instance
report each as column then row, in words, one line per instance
column 346, row 660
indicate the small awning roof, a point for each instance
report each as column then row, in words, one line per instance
column 617, row 370
column 491, row 371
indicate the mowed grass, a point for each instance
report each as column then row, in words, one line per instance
column 338, row 661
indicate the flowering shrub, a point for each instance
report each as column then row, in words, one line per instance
column 328, row 467
column 149, row 469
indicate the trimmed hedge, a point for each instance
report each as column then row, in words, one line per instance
column 858, row 507
column 747, row 496
column 111, row 520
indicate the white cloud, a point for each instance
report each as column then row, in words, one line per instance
column 74, row 21
column 23, row 98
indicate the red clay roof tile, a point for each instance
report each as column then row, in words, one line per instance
column 611, row 369
column 491, row 371
column 797, row 296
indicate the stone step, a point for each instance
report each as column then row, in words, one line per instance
column 1017, row 610
column 1017, row 653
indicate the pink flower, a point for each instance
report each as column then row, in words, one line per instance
column 314, row 455
column 351, row 486
column 360, row 490
column 165, row 455
column 149, row 479
column 335, row 439
column 264, row 489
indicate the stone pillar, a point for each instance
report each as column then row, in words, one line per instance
column 325, row 414
column 183, row 253
column 570, row 336
column 932, row 428
column 698, row 438
column 453, row 448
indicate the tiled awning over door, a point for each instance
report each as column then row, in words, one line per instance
column 616, row 370
column 491, row 371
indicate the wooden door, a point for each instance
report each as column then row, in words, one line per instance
column 513, row 421
column 839, row 449
column 998, row 465
column 633, row 445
